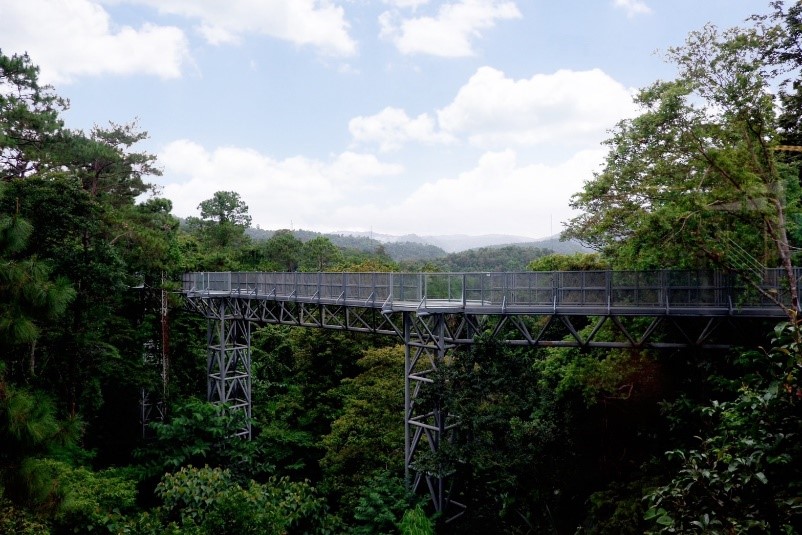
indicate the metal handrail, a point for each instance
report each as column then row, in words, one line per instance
column 663, row 289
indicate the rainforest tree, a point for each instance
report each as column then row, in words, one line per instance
column 695, row 179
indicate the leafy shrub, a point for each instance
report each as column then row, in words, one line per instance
column 744, row 477
column 415, row 522
column 209, row 500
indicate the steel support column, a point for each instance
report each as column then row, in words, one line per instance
column 229, row 361
column 425, row 349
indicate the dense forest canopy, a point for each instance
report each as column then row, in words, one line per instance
column 551, row 440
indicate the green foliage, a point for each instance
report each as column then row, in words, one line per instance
column 696, row 172
column 511, row 449
column 415, row 522
column 297, row 375
column 569, row 372
column 282, row 252
column 89, row 500
column 618, row 509
column 741, row 479
column 404, row 251
column 545, row 433
column 319, row 254
column 221, row 226
column 322, row 359
column 381, row 504
column 285, row 444
column 368, row 264
column 200, row 432
column 19, row 521
column 105, row 165
column 496, row 259
column 27, row 292
column 284, row 431
column 209, row 500
column 30, row 430
column 364, row 440
column 87, row 229
column 29, row 118
column 398, row 251
column 358, row 246
column 549, row 440
column 152, row 242
column 574, row 262
column 744, row 475
column 225, row 207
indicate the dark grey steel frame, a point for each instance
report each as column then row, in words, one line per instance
column 436, row 312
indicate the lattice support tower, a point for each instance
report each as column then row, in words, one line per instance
column 151, row 407
column 229, row 358
column 427, row 426
column 156, row 353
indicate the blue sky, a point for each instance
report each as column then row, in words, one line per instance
column 396, row 116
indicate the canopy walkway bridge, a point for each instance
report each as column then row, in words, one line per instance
column 433, row 313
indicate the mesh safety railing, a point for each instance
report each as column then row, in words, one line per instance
column 614, row 289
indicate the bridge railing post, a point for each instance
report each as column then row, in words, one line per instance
column 556, row 284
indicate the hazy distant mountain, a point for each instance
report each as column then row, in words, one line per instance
column 449, row 243
column 398, row 250
column 560, row 247
column 414, row 247
column 455, row 243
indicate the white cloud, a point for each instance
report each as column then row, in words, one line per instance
column 632, row 7
column 317, row 23
column 72, row 38
column 296, row 189
column 406, row 4
column 567, row 107
column 492, row 111
column 529, row 200
column 450, row 32
column 351, row 191
column 392, row 127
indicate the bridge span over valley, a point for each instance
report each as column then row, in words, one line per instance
column 433, row 313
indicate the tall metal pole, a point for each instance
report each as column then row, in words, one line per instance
column 407, row 399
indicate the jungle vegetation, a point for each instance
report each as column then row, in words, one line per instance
column 555, row 440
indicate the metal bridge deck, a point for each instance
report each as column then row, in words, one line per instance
column 581, row 293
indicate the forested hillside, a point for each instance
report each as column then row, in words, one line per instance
column 551, row 440
column 399, row 251
column 507, row 258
